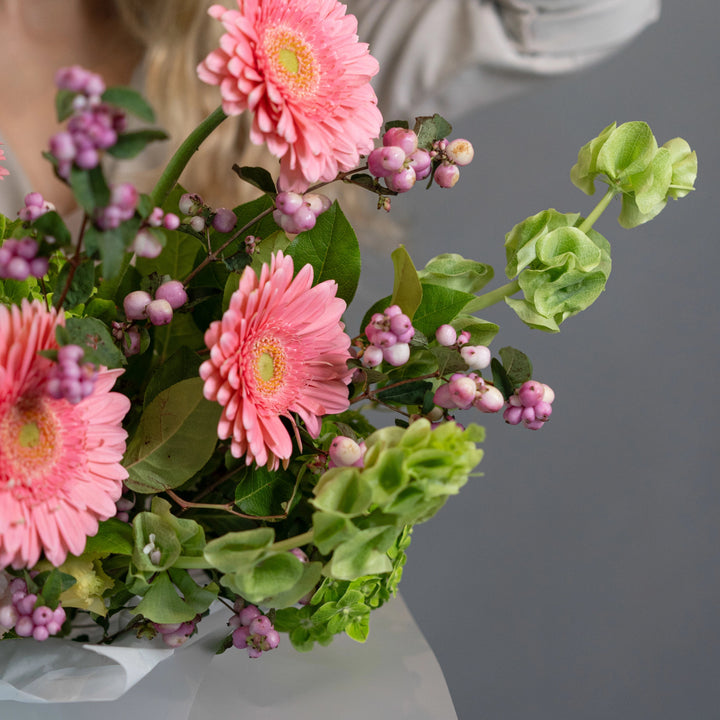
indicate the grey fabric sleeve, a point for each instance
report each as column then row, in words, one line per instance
column 454, row 55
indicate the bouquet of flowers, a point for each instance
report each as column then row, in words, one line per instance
column 182, row 408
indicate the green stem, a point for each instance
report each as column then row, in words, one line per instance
column 490, row 298
column 183, row 154
column 294, row 542
column 598, row 210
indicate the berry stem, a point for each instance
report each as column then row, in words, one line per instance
column 598, row 210
column 183, row 154
column 494, row 296
column 294, row 542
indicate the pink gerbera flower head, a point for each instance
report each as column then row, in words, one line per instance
column 299, row 68
column 60, row 470
column 279, row 349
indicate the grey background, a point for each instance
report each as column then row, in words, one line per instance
column 579, row 578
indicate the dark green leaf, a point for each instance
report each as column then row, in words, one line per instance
column 131, row 144
column 113, row 537
column 90, row 188
column 410, row 393
column 64, row 104
column 82, row 285
column 257, row 176
column 130, row 100
column 92, row 335
column 50, row 223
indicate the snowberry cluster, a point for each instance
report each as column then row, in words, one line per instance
column 93, row 127
column 451, row 155
column 252, row 630
column 399, row 161
column 176, row 634
column 295, row 213
column 140, row 305
column 19, row 259
column 124, row 505
column 462, row 392
column 530, row 404
column 476, row 357
column 198, row 214
column 123, row 201
column 70, row 379
column 345, row 452
column 18, row 610
column 35, row 206
column 389, row 334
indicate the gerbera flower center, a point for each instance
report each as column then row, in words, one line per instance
column 292, row 61
column 29, row 441
column 270, row 365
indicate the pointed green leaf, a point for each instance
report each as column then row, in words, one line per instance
column 407, row 290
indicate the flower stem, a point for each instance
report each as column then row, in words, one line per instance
column 183, row 154
column 490, row 298
column 294, row 542
column 598, row 210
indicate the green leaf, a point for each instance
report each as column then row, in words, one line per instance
column 53, row 583
column 90, row 188
column 92, row 335
column 500, row 378
column 163, row 604
column 454, row 271
column 430, row 129
column 331, row 247
column 262, row 492
column 131, row 144
column 276, row 574
column 410, row 393
column 237, row 551
column 585, row 169
column 112, row 538
column 82, row 285
column 181, row 365
column 257, row 176
column 64, row 104
column 517, row 365
column 331, row 530
column 407, row 290
column 176, row 436
column 130, row 100
column 439, row 306
column 150, row 528
column 51, row 224
column 363, row 554
column 343, row 491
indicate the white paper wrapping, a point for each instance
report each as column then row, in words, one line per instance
column 395, row 674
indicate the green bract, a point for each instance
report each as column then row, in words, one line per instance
column 562, row 270
column 629, row 159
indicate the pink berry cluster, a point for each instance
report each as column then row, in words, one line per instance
column 399, row 161
column 176, row 634
column 530, row 404
column 389, row 334
column 465, row 391
column 140, row 305
column 295, row 213
column 345, row 452
column 476, row 357
column 449, row 156
column 124, row 505
column 35, row 206
column 252, row 630
column 70, row 379
column 93, row 127
column 198, row 215
column 18, row 610
column 19, row 259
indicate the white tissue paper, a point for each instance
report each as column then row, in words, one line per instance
column 394, row 674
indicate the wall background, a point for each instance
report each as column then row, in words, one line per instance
column 580, row 577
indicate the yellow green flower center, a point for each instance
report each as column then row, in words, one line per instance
column 292, row 61
column 270, row 365
column 29, row 441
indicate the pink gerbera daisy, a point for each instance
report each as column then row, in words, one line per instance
column 279, row 349
column 299, row 68
column 60, row 470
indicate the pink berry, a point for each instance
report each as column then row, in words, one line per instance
column 261, row 625
column 160, row 312
column 146, row 244
column 462, row 390
column 446, row 176
column 401, row 181
column 304, row 218
column 174, row 292
column 24, row 626
column 443, row 397
column 513, row 415
column 460, row 151
column 240, row 637
column 477, row 357
column 397, row 355
column 531, row 393
column 40, row 633
column 384, row 161
column 224, row 220
column 372, row 356
column 490, row 400
column 421, row 162
column 248, row 614
column 190, row 204
column 288, row 202
column 317, row 202
column 402, row 138
column 135, row 304
column 344, row 451
column 446, row 335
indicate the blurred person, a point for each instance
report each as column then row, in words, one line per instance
column 447, row 56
